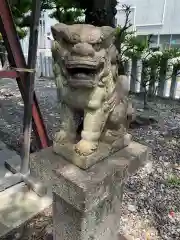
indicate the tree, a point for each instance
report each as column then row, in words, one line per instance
column 121, row 37
column 21, row 11
column 99, row 13
column 68, row 16
column 21, row 14
column 68, row 11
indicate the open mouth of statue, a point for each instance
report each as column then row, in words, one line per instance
column 83, row 71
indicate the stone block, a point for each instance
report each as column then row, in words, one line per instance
column 104, row 150
column 87, row 203
column 101, row 222
column 19, row 206
column 2, row 145
column 7, row 154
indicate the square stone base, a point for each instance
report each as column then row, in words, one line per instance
column 104, row 150
column 88, row 203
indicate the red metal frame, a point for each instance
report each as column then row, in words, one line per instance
column 27, row 89
column 8, row 74
column 17, row 60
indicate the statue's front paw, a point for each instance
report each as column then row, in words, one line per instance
column 84, row 147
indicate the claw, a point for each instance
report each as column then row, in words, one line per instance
column 85, row 148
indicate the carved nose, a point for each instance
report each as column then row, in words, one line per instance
column 83, row 49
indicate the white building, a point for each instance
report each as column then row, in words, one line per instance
column 157, row 17
column 44, row 29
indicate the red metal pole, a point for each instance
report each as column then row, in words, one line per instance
column 17, row 60
column 8, row 74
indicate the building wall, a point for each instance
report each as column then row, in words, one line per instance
column 153, row 16
column 45, row 27
column 145, row 17
column 164, row 41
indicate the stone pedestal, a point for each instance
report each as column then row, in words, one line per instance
column 88, row 203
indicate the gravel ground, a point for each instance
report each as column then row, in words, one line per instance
column 11, row 110
column 151, row 206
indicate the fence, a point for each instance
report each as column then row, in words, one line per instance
column 44, row 64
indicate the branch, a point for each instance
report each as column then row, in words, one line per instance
column 122, row 53
column 127, row 10
column 127, row 24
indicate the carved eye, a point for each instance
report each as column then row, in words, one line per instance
column 75, row 37
column 97, row 47
column 66, row 44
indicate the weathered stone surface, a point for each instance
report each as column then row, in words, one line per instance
column 121, row 237
column 2, row 145
column 5, row 155
column 104, row 150
column 87, row 203
column 18, row 206
column 100, row 222
column 93, row 100
column 54, row 170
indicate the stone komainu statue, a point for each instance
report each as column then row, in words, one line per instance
column 93, row 99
